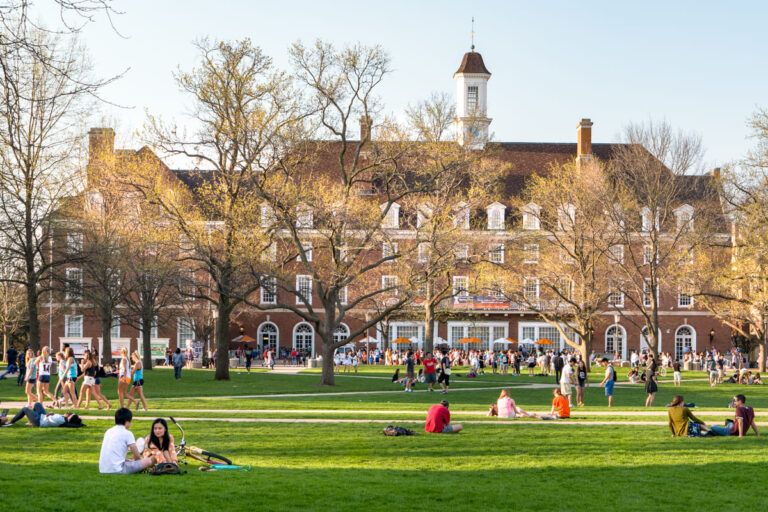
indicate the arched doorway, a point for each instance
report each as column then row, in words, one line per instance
column 616, row 340
column 685, row 341
column 268, row 336
column 341, row 333
column 304, row 339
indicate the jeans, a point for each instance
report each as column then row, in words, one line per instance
column 177, row 371
column 33, row 415
column 20, row 379
column 721, row 430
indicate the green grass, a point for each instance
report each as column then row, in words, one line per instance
column 494, row 464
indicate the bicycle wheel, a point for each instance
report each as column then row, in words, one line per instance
column 214, row 458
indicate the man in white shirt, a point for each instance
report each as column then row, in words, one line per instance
column 567, row 380
column 118, row 441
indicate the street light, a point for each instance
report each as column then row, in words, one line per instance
column 711, row 337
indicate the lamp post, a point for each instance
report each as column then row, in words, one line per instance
column 711, row 338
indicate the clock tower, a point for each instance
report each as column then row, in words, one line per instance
column 472, row 121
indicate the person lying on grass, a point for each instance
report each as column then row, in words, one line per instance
column 507, row 408
column 682, row 422
column 37, row 417
column 118, row 441
column 560, row 408
column 744, row 418
column 439, row 420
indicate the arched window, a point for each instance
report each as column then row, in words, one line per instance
column 531, row 215
column 685, row 341
column 268, row 336
column 303, row 338
column 615, row 340
column 341, row 333
column 495, row 213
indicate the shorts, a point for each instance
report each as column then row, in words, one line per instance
column 676, row 377
column 430, row 378
column 45, row 379
column 98, row 381
column 133, row 466
column 448, row 429
column 566, row 389
column 32, row 380
column 125, row 380
column 89, row 381
column 609, row 388
column 409, row 375
column 713, row 374
column 444, row 379
column 138, row 383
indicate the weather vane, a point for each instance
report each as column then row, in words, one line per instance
column 472, row 34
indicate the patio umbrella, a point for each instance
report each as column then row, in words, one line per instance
column 545, row 341
column 470, row 340
column 402, row 341
column 512, row 340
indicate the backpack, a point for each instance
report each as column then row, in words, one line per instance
column 165, row 468
column 392, row 431
column 615, row 377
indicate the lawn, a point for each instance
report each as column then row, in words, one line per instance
column 513, row 465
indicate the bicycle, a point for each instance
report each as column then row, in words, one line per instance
column 210, row 459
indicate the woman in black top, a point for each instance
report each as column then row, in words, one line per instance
column 650, row 382
column 581, row 382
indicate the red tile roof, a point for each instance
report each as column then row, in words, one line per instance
column 473, row 63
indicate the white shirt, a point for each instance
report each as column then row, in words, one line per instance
column 113, row 449
column 54, row 420
column 565, row 378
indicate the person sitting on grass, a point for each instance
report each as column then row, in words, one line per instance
column 37, row 417
column 118, row 441
column 682, row 422
column 560, row 408
column 439, row 420
column 743, row 419
column 757, row 379
column 159, row 443
column 507, row 408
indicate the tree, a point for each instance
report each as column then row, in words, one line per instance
column 663, row 214
column 559, row 264
column 337, row 211
column 13, row 313
column 44, row 95
column 245, row 114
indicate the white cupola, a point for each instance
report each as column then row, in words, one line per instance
column 472, row 121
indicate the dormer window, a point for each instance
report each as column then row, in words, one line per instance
column 304, row 217
column 392, row 218
column 267, row 216
column 461, row 216
column 684, row 217
column 496, row 216
column 566, row 217
column 473, row 95
column 645, row 220
column 531, row 220
column 423, row 214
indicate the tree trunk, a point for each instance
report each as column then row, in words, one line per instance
column 146, row 337
column 222, row 340
column 328, row 378
column 106, row 337
column 34, row 320
column 585, row 348
column 429, row 326
column 761, row 352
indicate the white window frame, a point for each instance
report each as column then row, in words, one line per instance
column 618, row 328
column 684, row 217
column 114, row 329
column 613, row 294
column 645, row 220
column 531, row 253
column 389, row 249
column 70, row 293
column 184, row 326
column 307, row 249
column 684, row 300
column 306, row 280
column 616, row 253
column 392, row 219
column 461, row 252
column 461, row 216
column 390, row 281
column 473, row 98
column 496, row 253
column 74, row 242
column 69, row 321
column 566, row 211
column 423, row 215
column 693, row 339
column 460, row 288
column 531, row 217
column 268, row 290
column 495, row 213
column 268, row 217
column 344, row 295
column 647, row 293
column 565, row 286
column 537, row 327
column 464, row 327
column 305, row 218
column 527, row 288
column 423, row 252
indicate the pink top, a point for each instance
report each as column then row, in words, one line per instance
column 505, row 407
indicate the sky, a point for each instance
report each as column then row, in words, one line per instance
column 699, row 65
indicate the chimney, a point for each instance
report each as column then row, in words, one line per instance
column 101, row 152
column 584, row 139
column 365, row 128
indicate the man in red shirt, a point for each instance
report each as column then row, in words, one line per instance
column 439, row 420
column 430, row 370
column 744, row 419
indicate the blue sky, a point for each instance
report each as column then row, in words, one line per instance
column 700, row 65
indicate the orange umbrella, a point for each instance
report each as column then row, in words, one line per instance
column 545, row 341
column 470, row 340
column 512, row 340
column 402, row 341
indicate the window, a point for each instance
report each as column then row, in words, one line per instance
column 531, row 220
column 267, row 335
column 566, row 217
column 187, row 283
column 486, row 332
column 267, row 216
column 531, row 290
column 115, row 279
column 303, row 337
column 388, row 250
column 392, row 219
column 472, row 98
column 616, row 254
column 423, row 214
column 460, row 288
column 647, row 294
column 304, row 217
column 341, row 334
column 152, row 330
column 306, row 248
column 408, row 330
column 270, row 253
column 423, row 256
column 74, row 284
column 565, row 288
column 343, row 254
column 648, row 255
column 114, row 331
column 74, row 242
column 389, row 283
column 496, row 216
column 461, row 216
column 497, row 293
column 685, row 341
column 615, row 296
column 303, row 289
column 462, row 251
column 531, row 253
column 615, row 339
column 496, row 254
column 684, row 217
column 566, row 257
column 684, row 299
column 344, row 295
column 73, row 326
column 646, row 224
column 185, row 330
column 268, row 290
